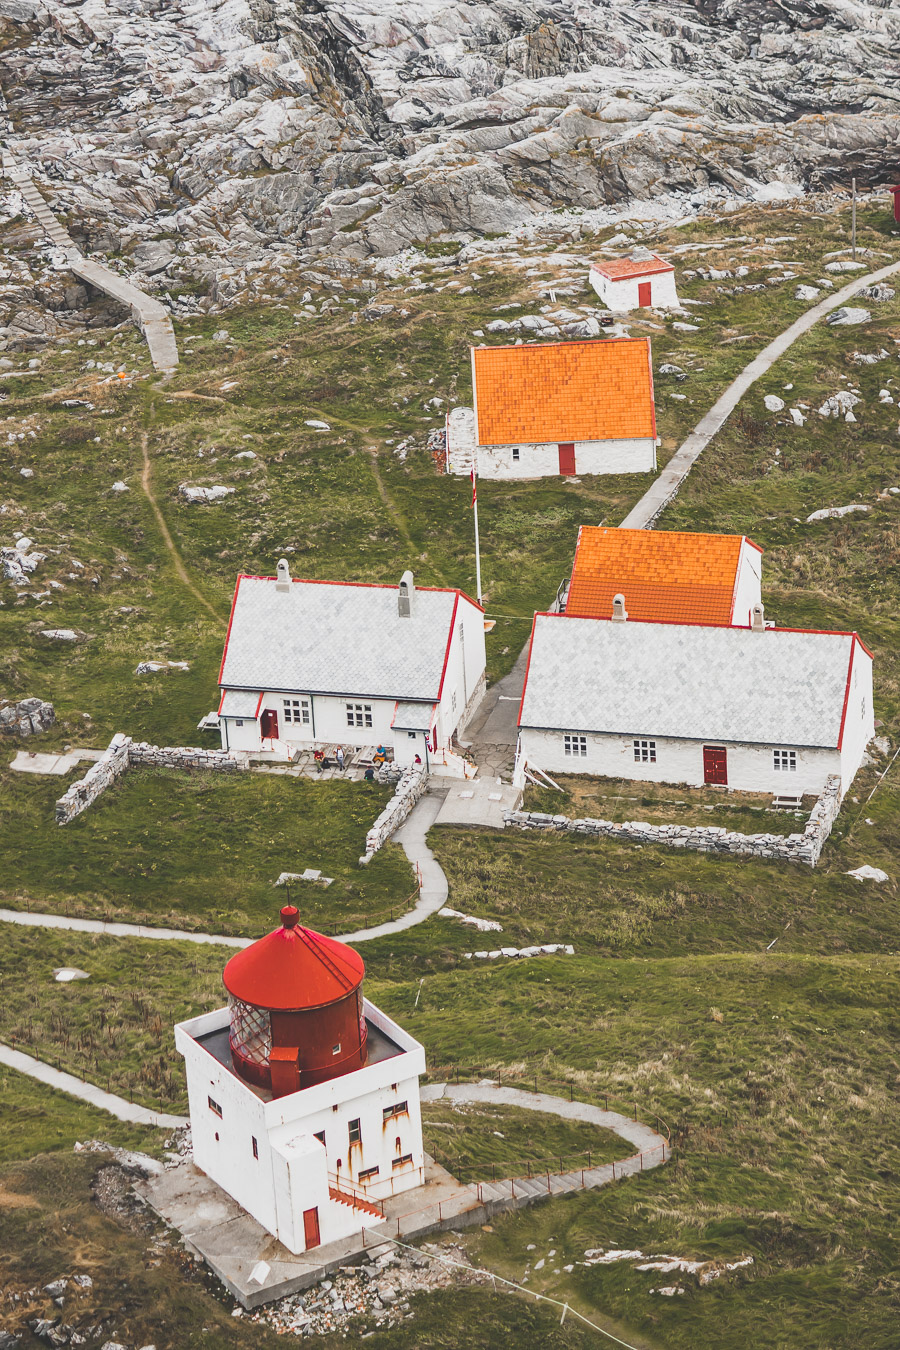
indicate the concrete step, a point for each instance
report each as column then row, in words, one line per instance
column 531, row 1186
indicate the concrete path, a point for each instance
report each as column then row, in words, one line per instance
column 111, row 929
column 492, row 734
column 87, row 1092
column 434, row 889
column 479, row 802
column 661, row 492
column 641, row 1136
column 150, row 316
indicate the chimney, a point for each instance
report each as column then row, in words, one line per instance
column 405, row 595
column 619, row 614
column 283, row 575
column 757, row 619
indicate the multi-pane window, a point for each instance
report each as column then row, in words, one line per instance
column 366, row 1173
column 359, row 714
column 515, row 454
column 398, row 1109
column 785, row 759
column 353, row 1131
column 644, row 752
column 215, row 1107
column 574, row 745
column 401, row 1162
column 296, row 710
column 254, row 1145
column 453, row 701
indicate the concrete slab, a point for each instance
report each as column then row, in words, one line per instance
column 482, row 801
column 31, row 761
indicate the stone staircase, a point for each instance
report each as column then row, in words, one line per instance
column 150, row 315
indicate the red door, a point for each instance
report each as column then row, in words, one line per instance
column 645, row 291
column 311, row 1228
column 567, row 459
column 715, row 764
column 269, row 724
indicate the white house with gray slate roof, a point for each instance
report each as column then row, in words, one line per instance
column 772, row 710
column 315, row 663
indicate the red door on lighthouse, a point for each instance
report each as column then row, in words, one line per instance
column 567, row 459
column 645, row 291
column 311, row 1228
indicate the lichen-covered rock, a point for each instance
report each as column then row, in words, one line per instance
column 25, row 718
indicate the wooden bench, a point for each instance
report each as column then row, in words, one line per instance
column 786, row 802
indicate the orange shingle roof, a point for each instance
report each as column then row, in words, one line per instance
column 686, row 578
column 621, row 268
column 564, row 391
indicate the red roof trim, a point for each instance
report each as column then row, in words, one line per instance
column 449, row 645
column 630, row 276
column 230, row 622
column 846, row 694
column 687, row 623
column 528, row 665
column 259, row 705
column 752, row 543
column 221, row 701
column 652, row 397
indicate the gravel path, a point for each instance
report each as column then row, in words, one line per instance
column 661, row 492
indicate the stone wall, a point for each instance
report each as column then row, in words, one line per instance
column 26, row 718
column 805, row 848
column 185, row 757
column 121, row 754
column 97, row 779
column 407, row 792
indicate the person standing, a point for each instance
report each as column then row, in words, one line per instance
column 340, row 758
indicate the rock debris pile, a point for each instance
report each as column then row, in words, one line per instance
column 376, row 1293
column 28, row 717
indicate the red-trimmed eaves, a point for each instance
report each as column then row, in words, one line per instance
column 449, row 645
column 528, row 664
column 846, row 693
column 230, row 622
column 636, row 275
column 652, row 398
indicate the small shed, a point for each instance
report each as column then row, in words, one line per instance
column 643, row 281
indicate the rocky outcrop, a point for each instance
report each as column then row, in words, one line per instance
column 201, row 136
column 28, row 717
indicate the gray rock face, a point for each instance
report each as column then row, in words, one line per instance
column 362, row 126
column 25, row 718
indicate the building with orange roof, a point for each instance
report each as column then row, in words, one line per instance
column 661, row 574
column 561, row 408
column 643, row 281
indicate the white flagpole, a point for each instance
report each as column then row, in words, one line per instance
column 477, row 543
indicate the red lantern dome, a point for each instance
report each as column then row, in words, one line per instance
column 296, row 1008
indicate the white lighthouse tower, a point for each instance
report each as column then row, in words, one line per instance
column 304, row 1097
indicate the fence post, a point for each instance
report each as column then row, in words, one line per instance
column 614, row 1169
column 548, row 1180
column 642, row 1162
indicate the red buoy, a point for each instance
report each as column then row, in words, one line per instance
column 296, row 1008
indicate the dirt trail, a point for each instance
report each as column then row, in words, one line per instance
column 146, row 484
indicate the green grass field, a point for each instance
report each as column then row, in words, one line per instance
column 777, row 1072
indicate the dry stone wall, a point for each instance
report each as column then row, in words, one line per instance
column 121, row 754
column 805, row 848
column 407, row 792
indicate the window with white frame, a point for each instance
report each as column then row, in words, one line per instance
column 785, row 760
column 359, row 714
column 296, row 710
column 644, row 752
column 574, row 744
column 515, row 454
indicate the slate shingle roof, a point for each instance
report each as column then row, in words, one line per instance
column 564, row 391
column 688, row 578
column 698, row 682
column 337, row 638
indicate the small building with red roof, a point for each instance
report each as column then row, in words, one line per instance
column 311, row 664
column 557, row 409
column 642, row 281
column 304, row 1097
column 665, row 574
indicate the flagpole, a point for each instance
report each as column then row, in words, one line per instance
column 477, row 543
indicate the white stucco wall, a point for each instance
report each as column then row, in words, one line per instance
column 750, row 767
column 465, row 670
column 748, row 586
column 626, row 455
column 622, row 295
column 291, row 1171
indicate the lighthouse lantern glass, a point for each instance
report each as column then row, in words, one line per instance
column 251, row 1032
